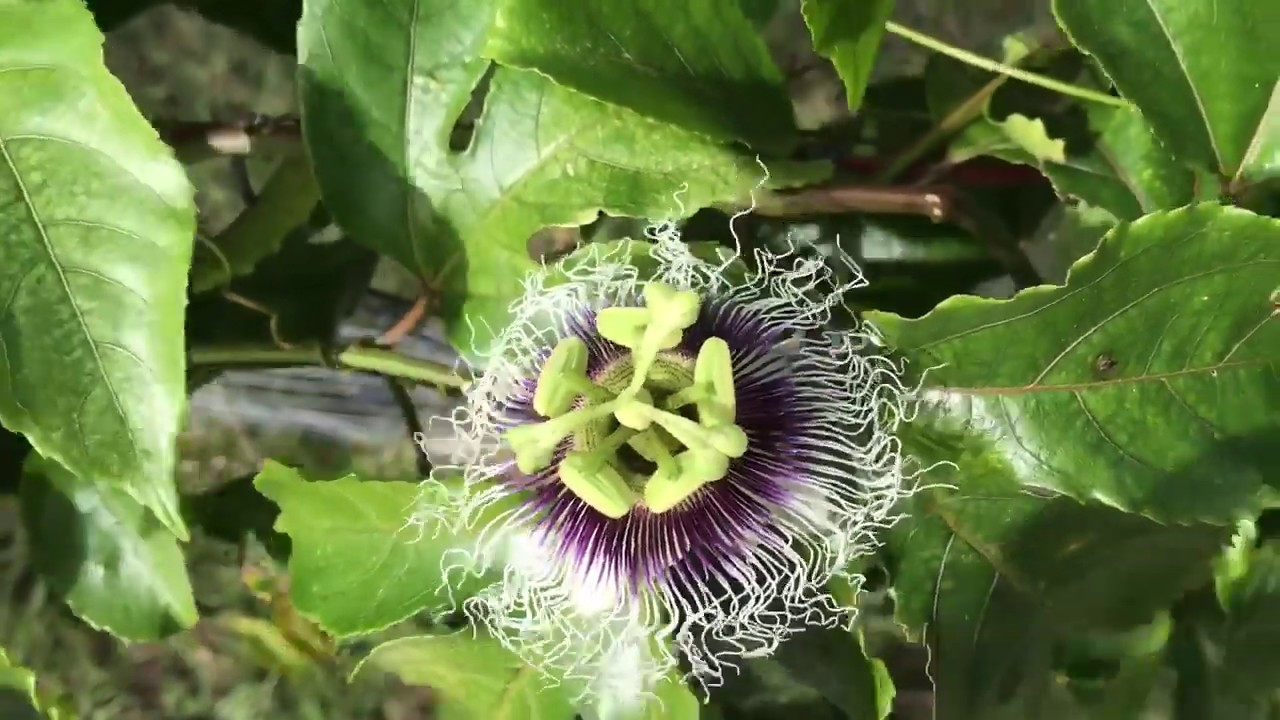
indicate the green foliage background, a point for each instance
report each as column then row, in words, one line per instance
column 1100, row 537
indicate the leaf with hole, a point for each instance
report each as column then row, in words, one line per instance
column 97, row 220
column 834, row 662
column 117, row 567
column 1195, row 70
column 383, row 86
column 1169, row 319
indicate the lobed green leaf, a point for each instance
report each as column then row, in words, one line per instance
column 383, row 86
column 358, row 562
column 475, row 676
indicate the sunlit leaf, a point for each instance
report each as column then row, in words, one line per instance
column 1171, row 318
column 97, row 220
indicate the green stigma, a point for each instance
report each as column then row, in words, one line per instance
column 652, row 428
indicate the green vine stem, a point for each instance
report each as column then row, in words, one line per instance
column 357, row 357
column 990, row 65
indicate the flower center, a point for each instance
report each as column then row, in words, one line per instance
column 651, row 428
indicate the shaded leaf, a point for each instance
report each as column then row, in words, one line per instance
column 360, row 561
column 766, row 690
column 834, row 662
column 1192, row 67
column 118, row 568
column 235, row 510
column 990, row 575
column 300, row 294
column 382, row 87
column 1225, row 654
column 701, row 66
column 1170, row 317
column 1108, row 156
column 474, row 676
column 848, row 33
column 97, row 218
column 285, row 202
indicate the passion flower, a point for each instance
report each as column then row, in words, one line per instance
column 670, row 457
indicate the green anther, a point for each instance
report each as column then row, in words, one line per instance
column 534, row 445
column 649, row 330
column 591, row 476
column 713, row 372
column 692, row 470
column 599, row 485
column 712, row 390
column 563, row 378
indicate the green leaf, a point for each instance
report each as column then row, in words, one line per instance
column 116, row 566
column 383, row 85
column 848, row 33
column 1124, row 169
column 1250, row 666
column 358, row 563
column 474, row 676
column 1194, row 68
column 1225, row 656
column 1169, row 318
column 286, row 202
column 1030, row 136
column 97, row 219
column 991, row 574
column 1111, row 160
column 17, row 691
column 834, row 662
column 673, row 700
column 1262, row 161
column 701, row 66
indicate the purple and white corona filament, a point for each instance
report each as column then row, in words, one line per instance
column 673, row 461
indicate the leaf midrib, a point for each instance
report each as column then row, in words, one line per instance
column 52, row 257
column 1195, row 92
column 1098, row 384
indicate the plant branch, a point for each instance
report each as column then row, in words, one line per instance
column 356, row 357
column 194, row 141
column 938, row 203
column 963, row 113
column 405, row 325
column 931, row 202
column 412, row 423
column 990, row 65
